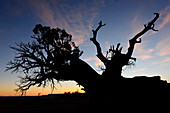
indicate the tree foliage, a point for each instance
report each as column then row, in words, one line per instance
column 52, row 55
column 44, row 59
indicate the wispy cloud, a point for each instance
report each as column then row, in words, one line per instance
column 164, row 61
column 96, row 61
column 145, row 57
column 142, row 69
column 165, row 21
column 106, row 45
column 163, row 47
column 165, row 17
column 136, row 24
column 141, row 49
column 78, row 18
column 43, row 10
column 143, row 52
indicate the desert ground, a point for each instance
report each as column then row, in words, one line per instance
column 44, row 104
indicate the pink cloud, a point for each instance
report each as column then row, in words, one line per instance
column 164, row 51
column 142, row 52
column 97, row 62
column 134, row 71
column 77, row 21
column 165, row 21
column 145, row 57
column 90, row 59
column 43, row 10
column 165, row 16
column 141, row 49
column 136, row 25
column 163, row 47
column 165, row 60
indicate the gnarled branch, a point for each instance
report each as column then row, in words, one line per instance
column 147, row 27
column 96, row 43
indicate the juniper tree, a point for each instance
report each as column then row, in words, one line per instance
column 52, row 55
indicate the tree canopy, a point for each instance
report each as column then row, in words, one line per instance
column 44, row 59
column 52, row 55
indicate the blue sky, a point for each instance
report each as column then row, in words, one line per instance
column 123, row 18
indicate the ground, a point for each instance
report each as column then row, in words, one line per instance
column 43, row 104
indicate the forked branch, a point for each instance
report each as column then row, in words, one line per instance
column 147, row 27
column 96, row 43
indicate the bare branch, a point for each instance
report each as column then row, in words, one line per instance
column 147, row 27
column 44, row 59
column 96, row 43
column 95, row 31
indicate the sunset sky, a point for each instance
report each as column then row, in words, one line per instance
column 123, row 18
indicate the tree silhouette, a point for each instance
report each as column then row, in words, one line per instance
column 52, row 55
column 44, row 59
column 117, row 60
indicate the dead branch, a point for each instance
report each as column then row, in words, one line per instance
column 147, row 27
column 96, row 43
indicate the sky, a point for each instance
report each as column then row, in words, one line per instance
column 123, row 18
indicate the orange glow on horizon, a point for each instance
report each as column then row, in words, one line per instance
column 37, row 91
